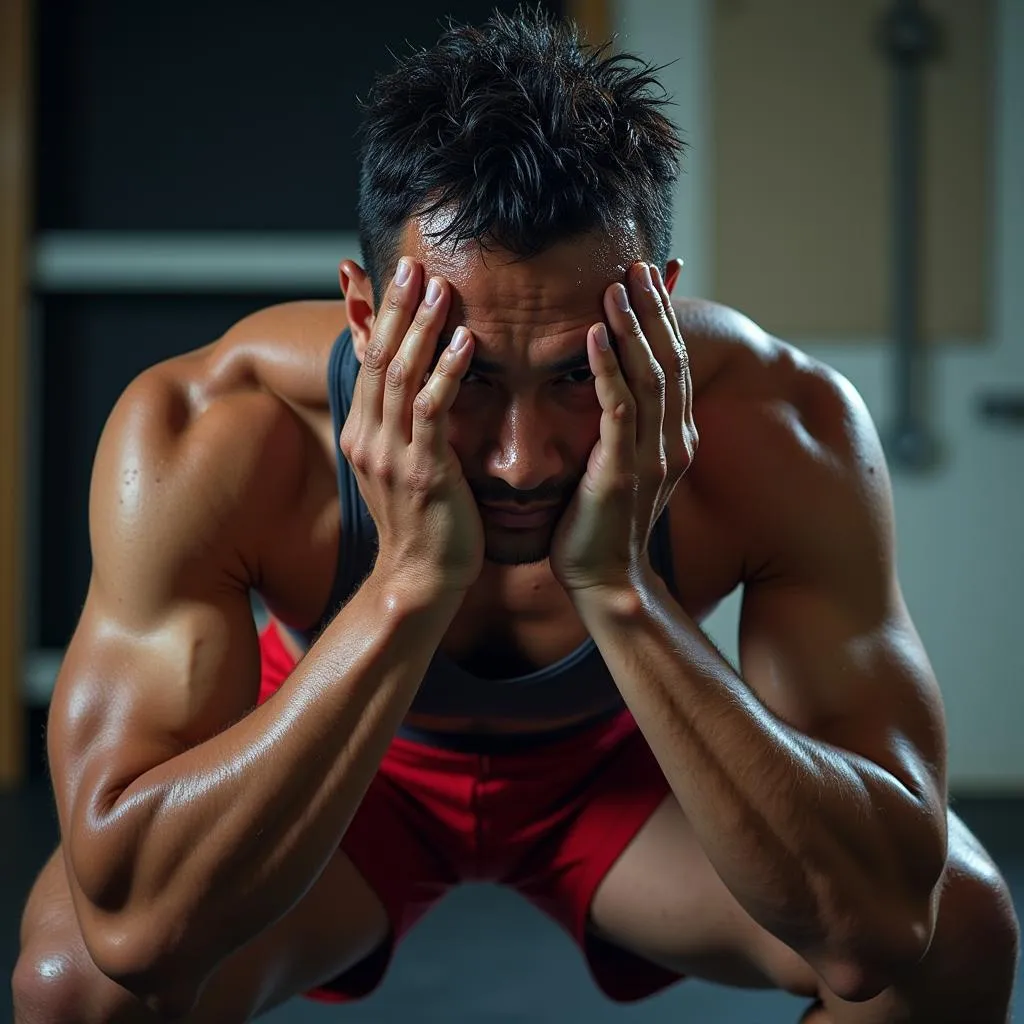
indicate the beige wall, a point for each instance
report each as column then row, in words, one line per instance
column 801, row 107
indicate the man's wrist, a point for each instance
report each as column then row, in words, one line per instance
column 619, row 599
column 408, row 595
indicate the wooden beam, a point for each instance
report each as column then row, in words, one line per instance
column 594, row 18
column 14, row 205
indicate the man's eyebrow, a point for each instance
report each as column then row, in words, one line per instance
column 480, row 364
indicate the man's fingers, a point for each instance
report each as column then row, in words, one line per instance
column 433, row 403
column 644, row 375
column 389, row 327
column 666, row 299
column 404, row 376
column 678, row 390
column 618, row 405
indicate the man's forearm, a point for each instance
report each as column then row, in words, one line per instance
column 799, row 831
column 224, row 839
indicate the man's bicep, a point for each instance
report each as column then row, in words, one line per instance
column 165, row 653
column 860, row 683
column 825, row 636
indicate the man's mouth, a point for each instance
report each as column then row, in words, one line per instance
column 518, row 516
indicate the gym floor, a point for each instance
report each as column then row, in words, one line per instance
column 483, row 954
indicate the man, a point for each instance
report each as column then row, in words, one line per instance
column 471, row 499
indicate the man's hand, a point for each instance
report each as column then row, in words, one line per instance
column 396, row 440
column 648, row 438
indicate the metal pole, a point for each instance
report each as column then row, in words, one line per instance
column 908, row 37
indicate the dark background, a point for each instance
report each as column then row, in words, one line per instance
column 236, row 115
column 240, row 115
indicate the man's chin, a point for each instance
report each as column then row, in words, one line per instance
column 509, row 551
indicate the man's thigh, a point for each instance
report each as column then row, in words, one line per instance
column 336, row 924
column 664, row 901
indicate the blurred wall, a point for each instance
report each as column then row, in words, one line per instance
column 193, row 138
column 960, row 528
column 961, row 555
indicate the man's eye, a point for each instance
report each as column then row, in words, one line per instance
column 588, row 376
column 572, row 377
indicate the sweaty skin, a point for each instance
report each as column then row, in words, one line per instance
column 216, row 476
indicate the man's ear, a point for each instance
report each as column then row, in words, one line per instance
column 671, row 275
column 359, row 306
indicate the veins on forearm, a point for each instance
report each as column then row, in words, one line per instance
column 797, row 829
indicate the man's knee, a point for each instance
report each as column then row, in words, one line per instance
column 988, row 927
column 976, row 901
column 55, row 979
column 968, row 973
column 48, row 985
column 977, row 921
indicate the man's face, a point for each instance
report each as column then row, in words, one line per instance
column 527, row 416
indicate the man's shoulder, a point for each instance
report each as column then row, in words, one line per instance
column 756, row 380
column 213, row 446
column 283, row 349
column 779, row 430
column 256, row 393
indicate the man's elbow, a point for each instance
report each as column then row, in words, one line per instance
column 156, row 979
column 865, row 967
column 874, row 946
column 168, row 1004
column 167, row 998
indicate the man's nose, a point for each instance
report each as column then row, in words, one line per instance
column 525, row 454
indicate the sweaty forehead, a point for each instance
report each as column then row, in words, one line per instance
column 550, row 293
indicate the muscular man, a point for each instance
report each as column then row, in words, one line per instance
column 470, row 496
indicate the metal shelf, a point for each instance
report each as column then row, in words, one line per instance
column 92, row 262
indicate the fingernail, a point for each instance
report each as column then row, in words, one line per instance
column 620, row 298
column 645, row 278
column 459, row 339
column 601, row 337
column 656, row 274
column 433, row 291
column 403, row 272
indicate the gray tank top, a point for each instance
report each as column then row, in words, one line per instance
column 579, row 683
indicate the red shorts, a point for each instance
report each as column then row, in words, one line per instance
column 548, row 822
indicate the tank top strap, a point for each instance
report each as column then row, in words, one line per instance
column 357, row 547
column 660, row 552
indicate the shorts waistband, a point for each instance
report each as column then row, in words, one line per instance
column 501, row 743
